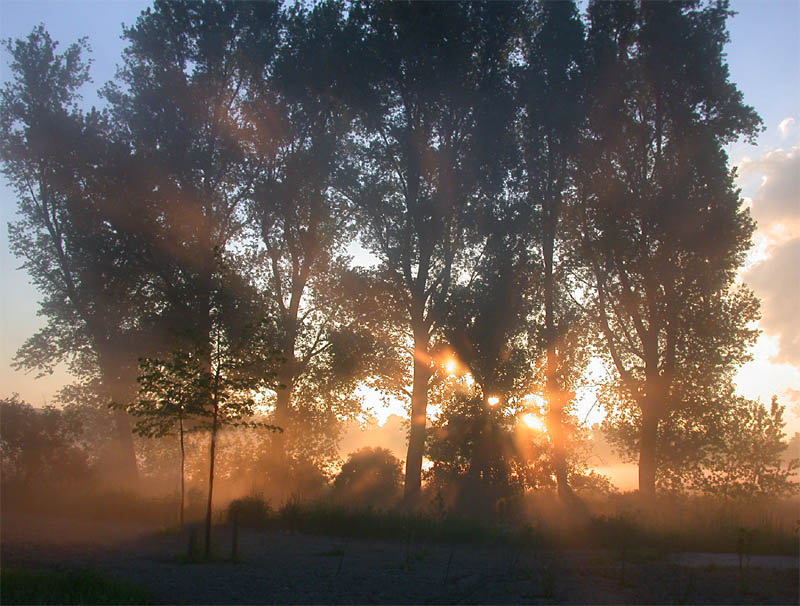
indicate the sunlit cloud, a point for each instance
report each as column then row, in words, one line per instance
column 775, row 204
column 775, row 281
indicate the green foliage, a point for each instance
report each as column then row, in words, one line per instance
column 22, row 586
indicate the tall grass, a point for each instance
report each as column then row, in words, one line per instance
column 669, row 524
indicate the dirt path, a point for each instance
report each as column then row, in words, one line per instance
column 280, row 568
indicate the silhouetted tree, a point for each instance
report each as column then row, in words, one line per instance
column 71, row 231
column 39, row 445
column 302, row 223
column 743, row 458
column 663, row 228
column 551, row 106
column 432, row 92
column 170, row 398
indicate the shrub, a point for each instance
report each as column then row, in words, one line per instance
column 371, row 476
column 252, row 511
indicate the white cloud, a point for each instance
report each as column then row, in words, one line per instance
column 788, row 126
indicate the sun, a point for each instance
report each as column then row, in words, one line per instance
column 532, row 421
column 450, row 367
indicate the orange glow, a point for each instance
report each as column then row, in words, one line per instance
column 493, row 400
column 450, row 366
column 532, row 421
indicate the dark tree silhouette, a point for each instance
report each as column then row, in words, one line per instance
column 71, row 235
column 663, row 227
column 551, row 106
column 432, row 73
column 302, row 223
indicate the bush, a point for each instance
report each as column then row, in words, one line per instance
column 252, row 511
column 370, row 477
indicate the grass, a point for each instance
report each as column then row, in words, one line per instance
column 621, row 523
column 20, row 586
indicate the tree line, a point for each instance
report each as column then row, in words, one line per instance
column 538, row 188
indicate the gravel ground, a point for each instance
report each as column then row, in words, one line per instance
column 282, row 568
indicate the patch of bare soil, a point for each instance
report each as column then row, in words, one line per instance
column 281, row 568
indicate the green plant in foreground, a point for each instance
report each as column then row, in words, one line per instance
column 20, row 586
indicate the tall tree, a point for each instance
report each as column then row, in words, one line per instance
column 663, row 227
column 71, row 234
column 430, row 108
column 302, row 223
column 551, row 105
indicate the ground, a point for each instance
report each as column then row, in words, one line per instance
column 284, row 568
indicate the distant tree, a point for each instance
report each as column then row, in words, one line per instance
column 370, row 476
column 662, row 226
column 39, row 445
column 745, row 457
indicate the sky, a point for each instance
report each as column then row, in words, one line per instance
column 764, row 60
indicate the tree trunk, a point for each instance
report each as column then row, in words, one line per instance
column 183, row 471
column 555, row 391
column 211, row 479
column 419, row 406
column 647, row 449
column 119, row 390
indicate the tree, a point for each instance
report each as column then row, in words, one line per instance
column 169, row 394
column 300, row 220
column 431, row 115
column 70, row 234
column 185, row 75
column 551, row 105
column 39, row 445
column 662, row 226
column 744, row 459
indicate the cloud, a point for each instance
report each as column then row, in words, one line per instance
column 776, row 281
column 787, row 127
column 776, row 203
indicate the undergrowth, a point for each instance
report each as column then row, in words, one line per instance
column 620, row 523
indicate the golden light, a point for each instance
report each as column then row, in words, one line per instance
column 532, row 421
column 493, row 400
column 450, row 366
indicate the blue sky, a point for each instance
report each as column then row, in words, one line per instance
column 764, row 59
